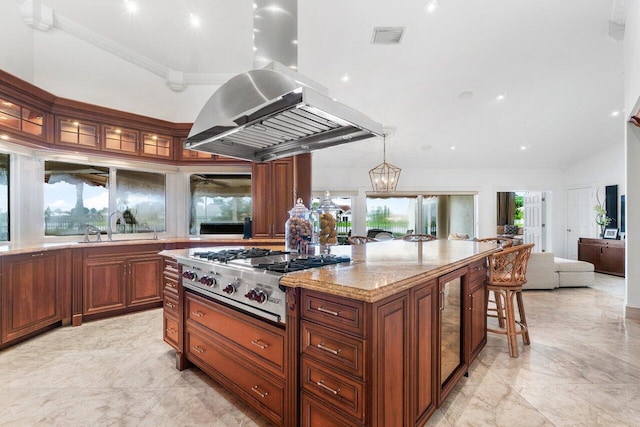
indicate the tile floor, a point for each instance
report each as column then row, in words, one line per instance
column 583, row 368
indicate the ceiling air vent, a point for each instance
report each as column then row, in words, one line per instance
column 387, row 35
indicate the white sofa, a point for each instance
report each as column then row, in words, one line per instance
column 544, row 271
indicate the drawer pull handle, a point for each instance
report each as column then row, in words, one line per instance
column 262, row 395
column 322, row 346
column 324, row 310
column 198, row 349
column 171, row 331
column 170, row 305
column 169, row 284
column 197, row 313
column 36, row 255
column 327, row 388
column 257, row 344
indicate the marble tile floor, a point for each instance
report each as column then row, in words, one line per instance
column 582, row 369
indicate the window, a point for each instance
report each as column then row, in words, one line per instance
column 438, row 215
column 4, row 197
column 140, row 196
column 77, row 195
column 395, row 215
column 219, row 203
column 74, row 195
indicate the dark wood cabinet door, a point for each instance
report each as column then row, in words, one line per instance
column 283, row 198
column 32, row 292
column 261, row 188
column 612, row 260
column 423, row 351
column 104, row 285
column 392, row 354
column 478, row 318
column 589, row 253
column 144, row 277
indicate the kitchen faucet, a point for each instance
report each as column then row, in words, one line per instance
column 119, row 216
column 90, row 229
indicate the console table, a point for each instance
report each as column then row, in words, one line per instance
column 607, row 256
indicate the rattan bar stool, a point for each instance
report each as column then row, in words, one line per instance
column 504, row 242
column 507, row 274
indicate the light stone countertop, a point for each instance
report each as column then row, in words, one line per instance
column 381, row 269
column 25, row 248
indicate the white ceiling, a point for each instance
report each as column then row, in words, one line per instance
column 561, row 71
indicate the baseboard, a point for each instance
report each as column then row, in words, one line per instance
column 632, row 312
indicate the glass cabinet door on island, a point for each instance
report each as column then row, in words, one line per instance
column 451, row 327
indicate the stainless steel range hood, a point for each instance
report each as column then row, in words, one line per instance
column 273, row 112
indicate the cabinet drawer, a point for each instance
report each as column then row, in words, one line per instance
column 344, row 314
column 170, row 332
column 262, row 393
column 332, row 388
column 477, row 270
column 171, row 304
column 170, row 284
column 315, row 414
column 334, row 348
column 170, row 267
column 260, row 339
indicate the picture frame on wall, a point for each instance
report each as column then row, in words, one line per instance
column 610, row 233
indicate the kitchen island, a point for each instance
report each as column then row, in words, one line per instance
column 378, row 341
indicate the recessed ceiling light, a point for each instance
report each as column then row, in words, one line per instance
column 118, row 131
column 131, row 6
column 345, row 77
column 76, row 123
column 4, row 137
column 3, row 117
column 194, row 20
column 453, row 147
column 523, row 147
column 294, row 41
column 501, row 96
column 615, row 113
column 431, row 6
column 7, row 103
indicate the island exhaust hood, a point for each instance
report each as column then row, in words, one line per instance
column 274, row 112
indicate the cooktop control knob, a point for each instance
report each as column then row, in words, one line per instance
column 256, row 295
column 208, row 281
column 230, row 288
column 189, row 275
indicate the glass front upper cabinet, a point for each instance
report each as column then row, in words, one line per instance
column 21, row 118
column 77, row 132
column 120, row 140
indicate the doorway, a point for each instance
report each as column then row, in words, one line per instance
column 579, row 218
column 525, row 213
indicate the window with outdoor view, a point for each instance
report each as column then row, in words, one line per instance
column 141, row 198
column 75, row 195
column 438, row 215
column 219, row 203
column 4, row 197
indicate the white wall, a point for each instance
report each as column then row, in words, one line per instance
column 632, row 94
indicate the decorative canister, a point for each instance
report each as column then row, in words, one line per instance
column 327, row 221
column 298, row 229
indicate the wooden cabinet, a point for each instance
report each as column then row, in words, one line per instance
column 338, row 348
column 477, row 307
column 115, row 281
column 271, row 197
column 77, row 133
column 607, row 256
column 35, row 292
column 423, row 351
column 244, row 354
column 172, row 302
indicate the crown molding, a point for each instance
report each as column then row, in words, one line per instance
column 44, row 18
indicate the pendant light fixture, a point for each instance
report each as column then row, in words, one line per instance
column 384, row 177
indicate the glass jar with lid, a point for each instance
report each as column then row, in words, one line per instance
column 327, row 221
column 298, row 229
